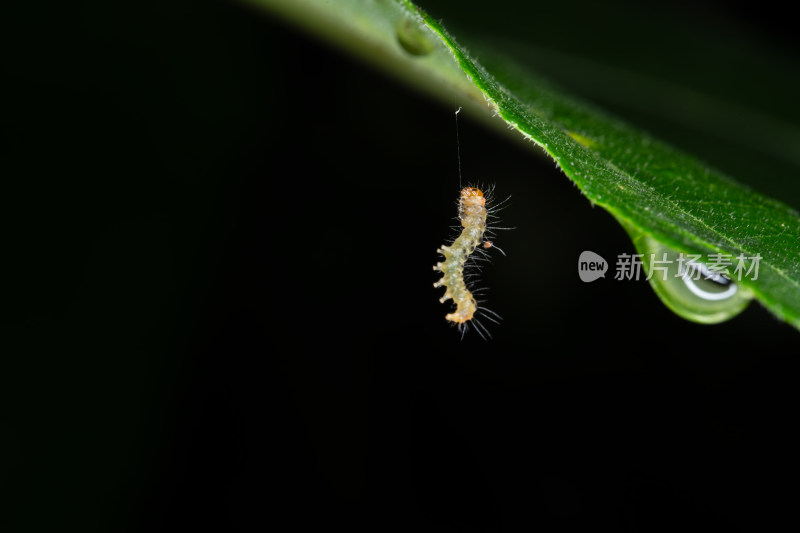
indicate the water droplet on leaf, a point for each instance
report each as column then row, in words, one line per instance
column 690, row 289
column 413, row 39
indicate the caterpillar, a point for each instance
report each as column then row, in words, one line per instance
column 473, row 215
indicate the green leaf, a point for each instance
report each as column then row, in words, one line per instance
column 658, row 193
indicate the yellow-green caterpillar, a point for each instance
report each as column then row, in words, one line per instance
column 472, row 213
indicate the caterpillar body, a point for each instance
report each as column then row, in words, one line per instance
column 472, row 214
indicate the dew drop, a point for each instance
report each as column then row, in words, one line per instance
column 413, row 39
column 690, row 289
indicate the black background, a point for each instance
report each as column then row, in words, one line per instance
column 217, row 308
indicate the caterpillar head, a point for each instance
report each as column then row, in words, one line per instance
column 472, row 196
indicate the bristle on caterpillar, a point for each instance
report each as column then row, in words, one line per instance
column 472, row 213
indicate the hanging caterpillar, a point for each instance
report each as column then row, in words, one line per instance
column 473, row 214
